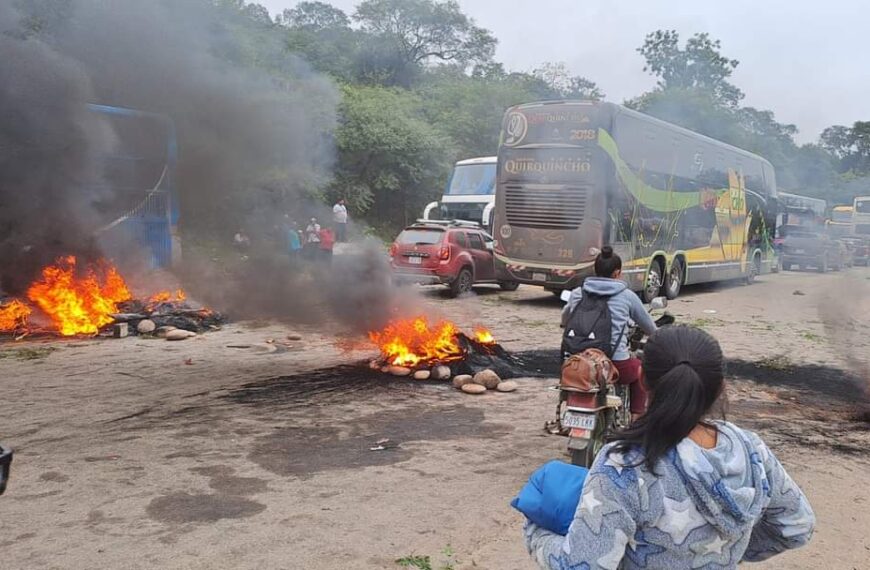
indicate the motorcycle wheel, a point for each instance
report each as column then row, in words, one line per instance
column 586, row 456
column 583, row 457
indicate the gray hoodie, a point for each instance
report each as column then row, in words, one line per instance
column 623, row 305
column 703, row 508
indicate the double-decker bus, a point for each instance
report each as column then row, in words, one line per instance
column 796, row 210
column 840, row 225
column 469, row 194
column 677, row 206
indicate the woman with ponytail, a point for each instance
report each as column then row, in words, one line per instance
column 678, row 489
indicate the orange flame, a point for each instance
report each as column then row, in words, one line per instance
column 483, row 336
column 13, row 316
column 78, row 305
column 166, row 296
column 408, row 342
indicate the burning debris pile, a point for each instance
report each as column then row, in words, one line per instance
column 440, row 351
column 70, row 300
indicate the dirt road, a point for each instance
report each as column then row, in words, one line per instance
column 229, row 451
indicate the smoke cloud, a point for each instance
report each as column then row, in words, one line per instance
column 49, row 149
column 254, row 128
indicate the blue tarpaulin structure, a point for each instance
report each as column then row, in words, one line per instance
column 148, row 179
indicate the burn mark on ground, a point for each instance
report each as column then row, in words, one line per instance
column 326, row 385
column 187, row 508
column 828, row 382
column 342, row 383
column 538, row 363
column 302, row 451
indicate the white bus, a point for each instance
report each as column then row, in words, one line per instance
column 861, row 216
column 469, row 194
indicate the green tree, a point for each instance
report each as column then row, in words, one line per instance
column 851, row 146
column 391, row 161
column 567, row 86
column 470, row 109
column 322, row 34
column 409, row 34
column 699, row 65
column 314, row 16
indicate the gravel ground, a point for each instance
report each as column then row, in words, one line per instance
column 241, row 449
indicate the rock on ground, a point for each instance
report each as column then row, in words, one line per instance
column 179, row 334
column 422, row 375
column 487, row 378
column 146, row 326
column 461, row 380
column 507, row 386
column 473, row 388
column 441, row 373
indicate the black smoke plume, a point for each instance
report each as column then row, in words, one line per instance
column 254, row 127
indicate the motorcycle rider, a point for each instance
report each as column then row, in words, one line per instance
column 676, row 489
column 623, row 304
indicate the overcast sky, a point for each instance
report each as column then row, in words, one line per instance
column 807, row 61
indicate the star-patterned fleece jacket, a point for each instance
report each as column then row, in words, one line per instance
column 702, row 508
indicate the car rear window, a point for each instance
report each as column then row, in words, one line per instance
column 421, row 236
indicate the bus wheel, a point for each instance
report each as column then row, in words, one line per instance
column 754, row 270
column 653, row 285
column 675, row 280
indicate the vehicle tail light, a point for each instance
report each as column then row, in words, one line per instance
column 444, row 254
column 393, row 250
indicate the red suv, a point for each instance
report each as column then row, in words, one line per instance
column 455, row 254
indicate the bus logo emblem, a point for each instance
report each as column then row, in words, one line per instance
column 505, row 231
column 517, row 126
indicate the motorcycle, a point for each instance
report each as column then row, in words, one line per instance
column 588, row 416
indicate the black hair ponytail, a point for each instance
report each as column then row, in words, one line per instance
column 683, row 370
column 607, row 263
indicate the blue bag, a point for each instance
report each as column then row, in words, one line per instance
column 551, row 496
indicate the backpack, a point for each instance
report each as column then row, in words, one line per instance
column 590, row 326
column 589, row 371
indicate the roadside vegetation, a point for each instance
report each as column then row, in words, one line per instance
column 419, row 87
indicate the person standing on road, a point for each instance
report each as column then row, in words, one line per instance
column 294, row 241
column 676, row 489
column 312, row 240
column 327, row 242
column 339, row 218
column 623, row 305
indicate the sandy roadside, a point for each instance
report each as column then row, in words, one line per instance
column 141, row 453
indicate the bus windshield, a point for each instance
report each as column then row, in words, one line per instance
column 472, row 180
column 862, row 206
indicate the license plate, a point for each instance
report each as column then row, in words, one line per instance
column 577, row 420
column 539, row 276
column 415, row 260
